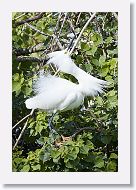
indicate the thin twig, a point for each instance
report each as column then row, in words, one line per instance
column 99, row 123
column 17, row 141
column 35, row 29
column 40, row 15
column 76, row 42
column 78, row 19
column 55, row 32
column 30, row 114
column 57, row 25
column 64, row 19
column 56, row 72
column 55, row 37
column 115, row 15
column 71, row 42
column 40, row 32
column 71, row 26
column 16, row 18
column 58, row 42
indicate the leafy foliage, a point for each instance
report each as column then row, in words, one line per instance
column 40, row 150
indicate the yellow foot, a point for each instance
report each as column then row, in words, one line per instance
column 59, row 142
column 64, row 139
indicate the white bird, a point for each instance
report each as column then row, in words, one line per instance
column 57, row 94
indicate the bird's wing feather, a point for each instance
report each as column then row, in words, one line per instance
column 46, row 83
column 89, row 85
column 51, row 92
column 71, row 98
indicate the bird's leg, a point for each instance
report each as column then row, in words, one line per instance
column 71, row 42
column 51, row 127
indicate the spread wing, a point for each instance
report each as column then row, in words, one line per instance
column 51, row 91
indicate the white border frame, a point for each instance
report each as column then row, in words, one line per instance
column 123, row 174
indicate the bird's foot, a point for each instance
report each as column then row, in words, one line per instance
column 59, row 142
column 64, row 139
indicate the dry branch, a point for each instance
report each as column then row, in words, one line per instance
column 85, row 129
column 40, row 15
column 30, row 59
column 77, row 40
column 27, row 51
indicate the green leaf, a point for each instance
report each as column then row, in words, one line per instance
column 38, row 128
column 30, row 83
column 108, row 40
column 56, row 160
column 111, row 166
column 42, row 140
column 90, row 144
column 95, row 62
column 72, row 153
column 27, row 90
column 97, row 39
column 99, row 100
column 111, row 93
column 84, row 149
column 104, row 71
column 26, row 168
column 106, row 139
column 112, row 101
column 112, row 52
column 13, row 15
column 16, row 77
column 79, row 59
column 16, row 87
column 99, row 163
column 114, row 156
column 88, row 67
column 72, row 163
column 36, row 167
column 90, row 158
column 84, row 46
column 113, row 63
column 109, row 78
column 102, row 59
column 69, row 165
column 44, row 156
column 55, row 153
column 92, row 51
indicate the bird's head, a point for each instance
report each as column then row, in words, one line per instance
column 62, row 60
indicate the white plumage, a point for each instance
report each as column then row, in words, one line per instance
column 57, row 94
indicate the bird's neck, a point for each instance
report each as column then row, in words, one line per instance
column 79, row 74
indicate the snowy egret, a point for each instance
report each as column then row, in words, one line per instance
column 57, row 94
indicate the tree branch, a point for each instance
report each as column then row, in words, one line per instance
column 26, row 51
column 76, row 42
column 115, row 15
column 35, row 29
column 40, row 15
column 31, row 59
column 71, row 26
column 53, row 35
column 30, row 114
column 78, row 19
column 17, row 141
column 64, row 19
column 84, row 129
column 57, row 24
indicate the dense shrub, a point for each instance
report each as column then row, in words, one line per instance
column 96, row 53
